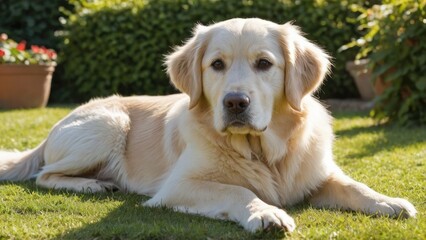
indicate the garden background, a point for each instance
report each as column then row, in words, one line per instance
column 118, row 46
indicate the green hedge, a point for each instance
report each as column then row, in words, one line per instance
column 32, row 21
column 116, row 46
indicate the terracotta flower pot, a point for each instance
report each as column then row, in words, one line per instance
column 25, row 86
column 361, row 73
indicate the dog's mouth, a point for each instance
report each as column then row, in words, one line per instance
column 238, row 123
column 242, row 127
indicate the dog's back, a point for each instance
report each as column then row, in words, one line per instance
column 93, row 149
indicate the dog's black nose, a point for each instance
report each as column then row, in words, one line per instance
column 236, row 102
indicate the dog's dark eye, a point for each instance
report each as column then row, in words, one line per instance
column 263, row 64
column 218, row 65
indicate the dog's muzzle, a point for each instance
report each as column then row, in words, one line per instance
column 236, row 102
column 236, row 107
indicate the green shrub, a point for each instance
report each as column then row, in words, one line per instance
column 395, row 43
column 116, row 46
column 32, row 21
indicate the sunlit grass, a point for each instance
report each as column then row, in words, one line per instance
column 389, row 159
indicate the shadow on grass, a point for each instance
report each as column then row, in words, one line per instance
column 130, row 220
column 391, row 136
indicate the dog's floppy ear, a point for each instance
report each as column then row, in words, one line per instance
column 305, row 65
column 184, row 66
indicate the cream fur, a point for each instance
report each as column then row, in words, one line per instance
column 181, row 151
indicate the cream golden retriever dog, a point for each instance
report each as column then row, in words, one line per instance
column 244, row 140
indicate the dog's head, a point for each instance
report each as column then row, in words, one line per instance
column 246, row 69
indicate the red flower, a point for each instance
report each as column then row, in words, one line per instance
column 35, row 49
column 2, row 53
column 21, row 46
column 51, row 53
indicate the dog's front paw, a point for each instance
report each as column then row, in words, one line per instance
column 267, row 217
column 393, row 207
column 153, row 202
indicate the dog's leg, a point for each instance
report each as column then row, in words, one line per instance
column 86, row 148
column 78, row 184
column 67, row 174
column 222, row 201
column 342, row 192
column 186, row 190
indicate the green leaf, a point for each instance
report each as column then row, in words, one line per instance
column 421, row 83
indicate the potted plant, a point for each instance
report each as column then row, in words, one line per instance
column 394, row 42
column 361, row 72
column 369, row 84
column 25, row 74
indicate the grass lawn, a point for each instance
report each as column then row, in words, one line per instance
column 390, row 160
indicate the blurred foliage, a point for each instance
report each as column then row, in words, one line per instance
column 395, row 42
column 32, row 21
column 115, row 46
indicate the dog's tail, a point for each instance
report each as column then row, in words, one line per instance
column 15, row 166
